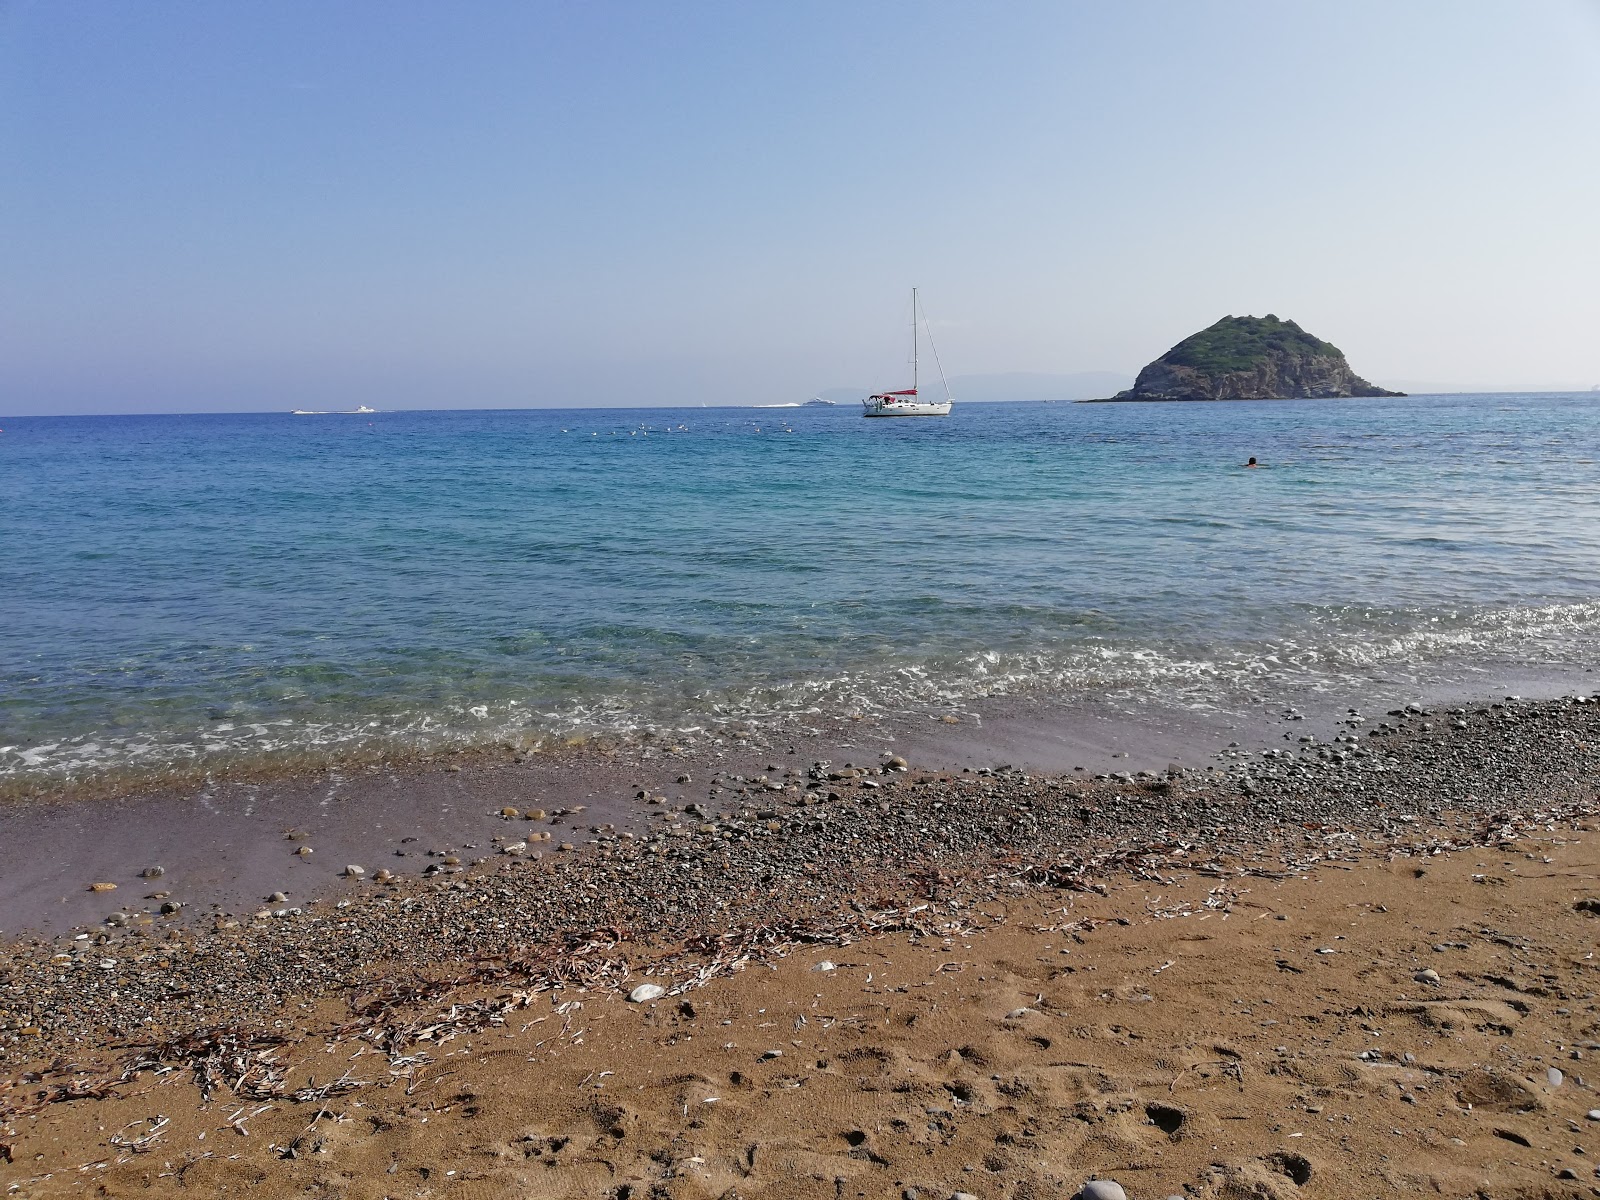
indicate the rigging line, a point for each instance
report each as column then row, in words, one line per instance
column 929, row 326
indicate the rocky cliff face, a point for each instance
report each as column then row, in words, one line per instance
column 1250, row 358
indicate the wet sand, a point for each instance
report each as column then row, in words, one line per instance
column 1348, row 967
column 228, row 844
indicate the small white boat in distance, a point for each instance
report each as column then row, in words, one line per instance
column 908, row 402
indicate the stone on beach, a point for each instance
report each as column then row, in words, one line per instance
column 647, row 991
column 1102, row 1189
column 352, row 871
column 102, row 887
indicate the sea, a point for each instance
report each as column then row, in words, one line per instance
column 224, row 591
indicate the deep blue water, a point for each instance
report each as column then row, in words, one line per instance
column 185, row 587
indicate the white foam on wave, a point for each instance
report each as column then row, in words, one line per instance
column 1336, row 650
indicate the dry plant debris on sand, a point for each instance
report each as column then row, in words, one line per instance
column 1320, row 981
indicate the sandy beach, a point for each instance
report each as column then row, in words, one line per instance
column 1353, row 967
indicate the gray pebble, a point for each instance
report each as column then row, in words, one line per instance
column 1102, row 1189
column 647, row 991
column 1554, row 1076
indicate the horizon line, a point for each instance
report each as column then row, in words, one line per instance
column 283, row 412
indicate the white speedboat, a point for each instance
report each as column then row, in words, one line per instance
column 909, row 402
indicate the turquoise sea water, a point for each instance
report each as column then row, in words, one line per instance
column 191, row 589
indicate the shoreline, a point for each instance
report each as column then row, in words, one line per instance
column 951, row 868
column 804, row 838
column 226, row 843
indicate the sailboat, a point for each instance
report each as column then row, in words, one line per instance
column 908, row 402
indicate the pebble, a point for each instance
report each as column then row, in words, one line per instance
column 168, row 907
column 1555, row 1076
column 1594, row 1114
column 962, row 1196
column 354, row 872
column 117, row 919
column 1102, row 1189
column 153, row 872
column 277, row 897
column 825, row 965
column 1428, row 976
column 533, row 814
column 304, row 852
column 1513, row 762
column 647, row 991
column 102, row 887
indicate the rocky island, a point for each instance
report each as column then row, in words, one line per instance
column 1250, row 358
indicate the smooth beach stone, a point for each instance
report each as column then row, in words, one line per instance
column 102, row 887
column 533, row 814
column 510, row 813
column 1554, row 1076
column 354, row 872
column 647, row 991
column 1594, row 1114
column 1428, row 976
column 305, row 851
column 117, row 918
column 153, row 872
column 1102, row 1189
column 168, row 907
column 384, row 875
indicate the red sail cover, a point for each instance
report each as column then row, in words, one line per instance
column 907, row 392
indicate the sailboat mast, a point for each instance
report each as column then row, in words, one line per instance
column 913, row 339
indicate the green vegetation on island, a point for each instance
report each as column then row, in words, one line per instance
column 1250, row 358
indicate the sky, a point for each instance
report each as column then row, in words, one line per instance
column 270, row 204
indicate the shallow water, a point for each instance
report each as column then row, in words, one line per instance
column 197, row 589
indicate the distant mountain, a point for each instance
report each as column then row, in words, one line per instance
column 1250, row 358
column 1033, row 385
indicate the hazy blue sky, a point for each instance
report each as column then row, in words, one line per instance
column 264, row 205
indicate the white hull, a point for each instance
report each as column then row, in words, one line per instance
column 906, row 408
